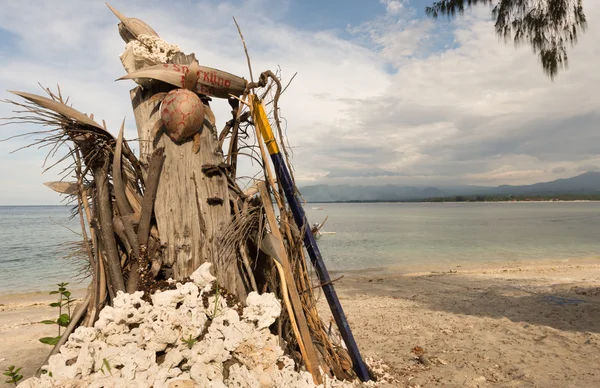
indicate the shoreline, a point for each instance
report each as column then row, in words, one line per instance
column 456, row 202
column 34, row 297
column 464, row 268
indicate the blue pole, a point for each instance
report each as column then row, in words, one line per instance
column 285, row 180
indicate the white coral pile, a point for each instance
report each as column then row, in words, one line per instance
column 147, row 50
column 138, row 344
column 153, row 48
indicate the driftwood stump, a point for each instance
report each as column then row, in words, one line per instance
column 192, row 207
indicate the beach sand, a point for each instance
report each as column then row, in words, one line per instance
column 488, row 326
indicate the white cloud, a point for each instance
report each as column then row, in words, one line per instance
column 458, row 106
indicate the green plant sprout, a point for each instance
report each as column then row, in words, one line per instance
column 217, row 295
column 107, row 365
column 190, row 341
column 63, row 320
column 13, row 374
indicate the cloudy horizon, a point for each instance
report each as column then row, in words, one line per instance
column 382, row 95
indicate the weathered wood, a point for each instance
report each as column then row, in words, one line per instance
column 191, row 208
column 117, row 175
column 154, row 170
column 206, row 80
column 107, row 235
column 310, row 356
column 119, row 229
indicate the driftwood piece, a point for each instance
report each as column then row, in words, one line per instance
column 154, row 170
column 107, row 236
column 191, row 208
column 119, row 229
column 208, row 81
column 117, row 175
column 311, row 360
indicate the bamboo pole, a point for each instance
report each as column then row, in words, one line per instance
column 310, row 355
column 285, row 181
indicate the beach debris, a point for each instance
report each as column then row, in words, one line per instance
column 147, row 50
column 419, row 352
column 132, row 28
column 141, row 343
column 136, row 343
column 158, row 215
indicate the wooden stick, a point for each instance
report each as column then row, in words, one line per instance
column 246, row 262
column 154, row 168
column 309, row 354
column 117, row 175
column 120, row 232
column 131, row 236
column 233, row 141
column 245, row 49
column 106, row 231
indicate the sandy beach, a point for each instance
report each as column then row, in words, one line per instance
column 487, row 326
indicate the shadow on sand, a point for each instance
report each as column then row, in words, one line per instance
column 564, row 306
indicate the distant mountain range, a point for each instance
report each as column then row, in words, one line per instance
column 584, row 184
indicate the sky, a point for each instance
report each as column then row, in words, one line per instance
column 382, row 95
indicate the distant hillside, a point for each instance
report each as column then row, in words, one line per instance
column 587, row 183
column 346, row 193
column 584, row 184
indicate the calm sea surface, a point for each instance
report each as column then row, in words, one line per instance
column 34, row 240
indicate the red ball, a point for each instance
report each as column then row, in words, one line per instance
column 182, row 114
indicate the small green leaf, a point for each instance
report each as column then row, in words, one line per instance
column 53, row 292
column 6, row 373
column 18, row 369
column 105, row 363
column 48, row 322
column 55, row 304
column 50, row 340
column 63, row 320
column 66, row 293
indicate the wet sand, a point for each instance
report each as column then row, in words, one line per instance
column 489, row 326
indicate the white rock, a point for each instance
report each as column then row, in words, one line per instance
column 124, row 348
column 202, row 276
column 263, row 309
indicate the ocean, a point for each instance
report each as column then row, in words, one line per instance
column 404, row 236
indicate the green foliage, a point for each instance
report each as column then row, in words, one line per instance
column 190, row 341
column 13, row 374
column 106, row 365
column 64, row 318
column 546, row 25
column 217, row 302
column 50, row 340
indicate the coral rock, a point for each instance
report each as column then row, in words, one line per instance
column 138, row 344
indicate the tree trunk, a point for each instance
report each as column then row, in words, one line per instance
column 192, row 208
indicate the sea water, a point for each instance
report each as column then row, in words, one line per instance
column 34, row 240
column 443, row 236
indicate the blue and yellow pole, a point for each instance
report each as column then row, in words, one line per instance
column 285, row 180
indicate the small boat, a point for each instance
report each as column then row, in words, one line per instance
column 316, row 229
column 317, row 208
